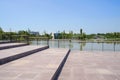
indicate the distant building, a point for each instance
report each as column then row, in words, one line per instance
column 99, row 37
column 56, row 35
column 34, row 33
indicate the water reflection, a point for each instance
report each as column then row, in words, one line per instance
column 82, row 46
column 71, row 45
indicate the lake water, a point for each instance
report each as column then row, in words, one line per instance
column 75, row 45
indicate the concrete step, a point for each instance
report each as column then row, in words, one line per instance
column 5, row 42
column 40, row 66
column 8, row 55
column 11, row 45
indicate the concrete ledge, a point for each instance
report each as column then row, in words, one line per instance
column 12, row 46
column 59, row 69
column 4, row 42
column 17, row 56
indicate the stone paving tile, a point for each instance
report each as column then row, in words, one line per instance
column 84, row 65
column 8, row 75
column 39, row 66
column 27, row 75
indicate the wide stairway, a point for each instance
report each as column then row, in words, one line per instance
column 20, row 61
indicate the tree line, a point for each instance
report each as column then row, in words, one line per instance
column 21, row 35
column 60, row 35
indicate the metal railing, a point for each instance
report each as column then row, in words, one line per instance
column 81, row 45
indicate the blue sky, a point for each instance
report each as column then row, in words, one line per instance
column 93, row 16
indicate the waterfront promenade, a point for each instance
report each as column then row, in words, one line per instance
column 44, row 63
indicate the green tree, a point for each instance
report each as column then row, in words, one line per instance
column 22, row 32
column 81, row 31
column 82, row 35
column 1, row 33
column 23, row 35
column 70, row 34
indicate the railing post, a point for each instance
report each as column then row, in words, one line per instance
column 48, row 41
column 102, row 46
column 91, row 46
column 114, row 46
column 58, row 43
column 19, row 38
column 37, row 40
column 10, row 37
column 69, row 44
column 27, row 39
